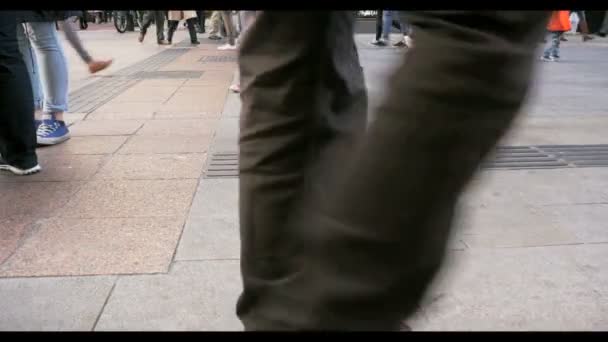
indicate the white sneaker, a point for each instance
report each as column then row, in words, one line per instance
column 409, row 42
column 227, row 47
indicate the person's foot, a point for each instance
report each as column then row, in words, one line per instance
column 547, row 59
column 378, row 42
column 235, row 88
column 196, row 42
column 141, row 37
column 227, row 47
column 52, row 132
column 97, row 66
column 37, row 123
column 163, row 42
column 400, row 43
column 409, row 42
column 555, row 56
column 587, row 38
column 18, row 170
column 601, row 34
column 563, row 39
column 215, row 37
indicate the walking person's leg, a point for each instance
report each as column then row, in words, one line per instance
column 191, row 23
column 74, row 40
column 603, row 31
column 31, row 63
column 159, row 19
column 247, row 18
column 285, row 137
column 230, row 31
column 54, row 77
column 172, row 27
column 317, row 253
column 215, row 26
column 146, row 22
column 17, row 131
column 387, row 19
column 378, row 41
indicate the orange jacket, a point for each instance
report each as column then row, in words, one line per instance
column 560, row 21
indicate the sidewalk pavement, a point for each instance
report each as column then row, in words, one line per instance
column 133, row 224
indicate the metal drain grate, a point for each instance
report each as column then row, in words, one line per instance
column 223, row 165
column 218, row 59
column 548, row 156
column 168, row 74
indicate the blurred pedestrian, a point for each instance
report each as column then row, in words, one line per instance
column 247, row 18
column 584, row 26
column 48, row 69
column 558, row 24
column 159, row 22
column 603, row 31
column 190, row 18
column 17, row 131
column 344, row 226
column 230, row 31
column 216, row 23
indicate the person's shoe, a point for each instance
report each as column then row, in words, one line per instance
column 547, row 59
column 601, row 34
column 379, row 42
column 163, row 42
column 37, row 124
column 236, row 88
column 588, row 38
column 227, row 47
column 196, row 42
column 563, row 39
column 215, row 37
column 141, row 37
column 18, row 170
column 52, row 132
column 400, row 43
column 556, row 57
column 97, row 66
column 409, row 42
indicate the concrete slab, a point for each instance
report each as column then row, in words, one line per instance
column 513, row 289
column 167, row 144
column 132, row 198
column 66, row 246
column 52, row 304
column 587, row 222
column 61, row 168
column 35, row 200
column 194, row 296
column 179, row 127
column 216, row 198
column 86, row 145
column 197, row 99
column 139, row 93
column 114, row 127
column 154, row 166
column 12, row 231
column 209, row 239
column 497, row 226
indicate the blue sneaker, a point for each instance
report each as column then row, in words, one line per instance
column 37, row 123
column 52, row 132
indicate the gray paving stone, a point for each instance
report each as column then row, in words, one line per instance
column 514, row 289
column 209, row 239
column 216, row 198
column 587, row 222
column 232, row 107
column 52, row 304
column 193, row 296
column 226, row 135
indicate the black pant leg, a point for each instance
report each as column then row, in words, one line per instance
column 159, row 18
column 353, row 244
column 379, row 24
column 17, row 133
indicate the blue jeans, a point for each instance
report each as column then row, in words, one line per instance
column 32, row 65
column 387, row 18
column 553, row 44
column 47, row 66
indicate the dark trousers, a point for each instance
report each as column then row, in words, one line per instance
column 201, row 21
column 604, row 28
column 379, row 24
column 344, row 227
column 159, row 19
column 191, row 29
column 17, row 133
